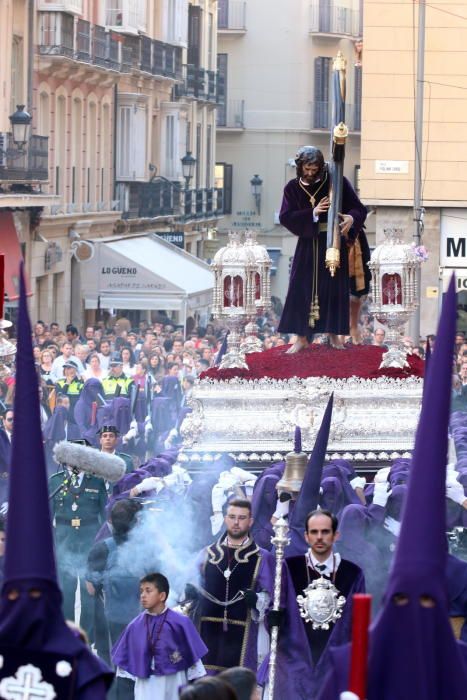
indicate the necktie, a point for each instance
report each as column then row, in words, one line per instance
column 321, row 568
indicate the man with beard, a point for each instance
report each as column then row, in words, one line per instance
column 317, row 302
column 235, row 593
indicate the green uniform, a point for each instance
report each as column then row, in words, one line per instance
column 78, row 512
column 127, row 459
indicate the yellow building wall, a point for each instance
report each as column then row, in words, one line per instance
column 388, row 106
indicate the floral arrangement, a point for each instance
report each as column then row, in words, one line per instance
column 421, row 252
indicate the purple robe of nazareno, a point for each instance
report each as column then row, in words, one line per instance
column 32, row 625
column 333, row 292
column 412, row 649
column 178, row 645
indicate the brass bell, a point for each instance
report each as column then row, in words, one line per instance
column 295, row 466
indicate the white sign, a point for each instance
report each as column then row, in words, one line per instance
column 461, row 279
column 453, row 238
column 117, row 273
column 391, row 167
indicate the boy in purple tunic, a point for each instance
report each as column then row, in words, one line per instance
column 160, row 648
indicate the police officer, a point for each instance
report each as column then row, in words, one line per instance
column 78, row 507
column 117, row 383
column 108, row 437
column 70, row 386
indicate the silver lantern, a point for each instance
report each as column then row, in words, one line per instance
column 262, row 281
column 395, row 294
column 234, row 268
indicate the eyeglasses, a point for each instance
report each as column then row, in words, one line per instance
column 9, row 420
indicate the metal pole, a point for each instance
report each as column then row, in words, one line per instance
column 280, row 542
column 418, row 209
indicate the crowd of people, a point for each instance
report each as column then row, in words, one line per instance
column 122, row 544
column 170, row 576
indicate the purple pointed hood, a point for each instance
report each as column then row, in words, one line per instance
column 35, row 622
column 413, row 652
column 309, row 493
column 30, row 549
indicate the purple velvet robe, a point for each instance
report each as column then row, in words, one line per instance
column 178, row 646
column 333, row 292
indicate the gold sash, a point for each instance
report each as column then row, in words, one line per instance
column 356, row 265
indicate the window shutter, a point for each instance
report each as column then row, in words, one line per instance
column 321, row 93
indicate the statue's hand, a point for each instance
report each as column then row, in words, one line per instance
column 346, row 223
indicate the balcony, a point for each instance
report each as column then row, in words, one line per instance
column 149, row 199
column 198, row 83
column 321, row 116
column 82, row 41
column 125, row 16
column 231, row 17
column 32, row 166
column 74, row 7
column 163, row 198
column 231, row 115
column 334, row 20
column 155, row 57
column 203, row 203
column 166, row 60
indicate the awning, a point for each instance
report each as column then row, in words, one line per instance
column 11, row 249
column 145, row 272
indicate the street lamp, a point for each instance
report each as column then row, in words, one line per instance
column 20, row 126
column 188, row 167
column 188, row 170
column 256, row 185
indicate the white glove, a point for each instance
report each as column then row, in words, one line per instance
column 456, row 493
column 358, row 483
column 381, row 493
column 182, row 473
column 218, row 497
column 249, row 486
column 147, row 426
column 282, row 509
column 132, row 433
column 227, row 480
column 151, row 483
column 242, row 474
column 175, row 482
column 170, row 438
column 217, row 521
column 451, row 478
column 382, row 475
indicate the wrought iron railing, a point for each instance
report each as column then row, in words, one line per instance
column 30, row 166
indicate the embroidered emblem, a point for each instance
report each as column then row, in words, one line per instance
column 27, row 684
column 175, row 657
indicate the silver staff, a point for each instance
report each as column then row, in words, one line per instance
column 280, row 542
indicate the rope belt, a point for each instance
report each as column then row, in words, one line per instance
column 223, row 603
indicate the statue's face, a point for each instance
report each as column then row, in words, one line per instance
column 310, row 171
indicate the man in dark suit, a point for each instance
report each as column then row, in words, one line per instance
column 344, row 578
